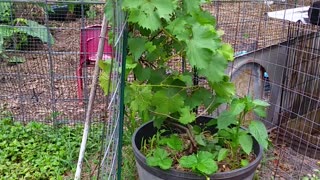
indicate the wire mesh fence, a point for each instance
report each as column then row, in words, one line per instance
column 278, row 61
column 40, row 54
column 110, row 165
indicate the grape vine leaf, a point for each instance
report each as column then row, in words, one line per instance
column 227, row 52
column 202, row 95
column 191, row 5
column 201, row 46
column 258, row 130
column 104, row 77
column 141, row 73
column 167, row 104
column 217, row 65
column 140, row 98
column 148, row 13
column 137, row 46
column 177, row 28
column 160, row 158
column 246, row 142
column 186, row 115
column 224, row 88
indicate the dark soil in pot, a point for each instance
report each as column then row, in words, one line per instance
column 147, row 173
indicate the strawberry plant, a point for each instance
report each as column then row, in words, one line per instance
column 159, row 32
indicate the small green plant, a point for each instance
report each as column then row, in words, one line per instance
column 314, row 176
column 39, row 151
column 5, row 12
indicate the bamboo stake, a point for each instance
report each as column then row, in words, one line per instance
column 91, row 99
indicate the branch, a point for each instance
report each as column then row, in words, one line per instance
column 162, row 114
column 187, row 130
column 206, row 110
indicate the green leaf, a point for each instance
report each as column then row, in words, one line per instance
column 149, row 13
column 186, row 115
column 188, row 161
column 186, row 78
column 141, row 73
column 196, row 129
column 244, row 162
column 198, row 97
column 223, row 153
column 227, row 52
column 35, row 29
column 177, row 28
column 191, row 5
column 206, row 164
column 137, row 46
column 165, row 8
column 174, row 142
column 200, row 140
column 166, row 104
column 104, row 82
column 212, row 122
column 258, row 130
column 202, row 162
column 224, row 89
column 259, row 102
column 260, row 111
column 225, row 119
column 204, row 17
column 246, row 142
column 200, row 48
column 217, row 64
column 139, row 97
column 237, row 107
column 160, row 158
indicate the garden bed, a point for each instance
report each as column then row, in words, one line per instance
column 39, row 151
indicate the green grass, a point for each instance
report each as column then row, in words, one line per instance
column 129, row 170
column 40, row 151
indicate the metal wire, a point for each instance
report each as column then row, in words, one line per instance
column 110, row 165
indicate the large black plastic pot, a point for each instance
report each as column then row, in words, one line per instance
column 146, row 172
column 58, row 12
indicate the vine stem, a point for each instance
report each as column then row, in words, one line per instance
column 166, row 115
column 206, row 110
column 164, row 85
column 187, row 130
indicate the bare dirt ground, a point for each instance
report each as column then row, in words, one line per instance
column 45, row 85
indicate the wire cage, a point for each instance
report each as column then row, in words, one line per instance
column 46, row 77
column 40, row 55
column 277, row 59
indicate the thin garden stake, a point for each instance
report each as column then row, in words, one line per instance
column 91, row 99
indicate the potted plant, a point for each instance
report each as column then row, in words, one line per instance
column 175, row 142
column 60, row 10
